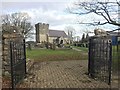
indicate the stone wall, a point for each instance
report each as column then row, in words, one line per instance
column 65, row 40
column 8, row 34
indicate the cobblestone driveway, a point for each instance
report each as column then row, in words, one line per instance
column 61, row 74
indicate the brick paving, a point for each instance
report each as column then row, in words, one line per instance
column 60, row 74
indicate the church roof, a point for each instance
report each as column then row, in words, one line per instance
column 57, row 33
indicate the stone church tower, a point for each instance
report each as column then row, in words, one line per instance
column 42, row 31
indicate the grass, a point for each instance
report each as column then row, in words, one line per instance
column 115, row 57
column 55, row 55
column 84, row 49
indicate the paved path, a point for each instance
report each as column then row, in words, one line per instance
column 61, row 74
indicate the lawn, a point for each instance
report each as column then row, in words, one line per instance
column 53, row 55
column 84, row 49
column 115, row 57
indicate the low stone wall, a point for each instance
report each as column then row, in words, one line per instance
column 29, row 64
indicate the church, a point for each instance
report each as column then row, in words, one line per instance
column 44, row 34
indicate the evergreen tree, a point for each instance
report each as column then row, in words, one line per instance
column 83, row 37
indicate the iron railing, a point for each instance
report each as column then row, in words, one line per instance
column 100, row 58
column 18, row 61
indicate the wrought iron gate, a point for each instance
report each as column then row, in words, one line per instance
column 100, row 58
column 18, row 61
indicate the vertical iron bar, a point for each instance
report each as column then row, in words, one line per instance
column 89, row 67
column 110, row 63
column 101, row 57
column 11, row 59
column 118, row 58
column 24, row 54
column 118, row 66
column 105, row 59
column 93, row 61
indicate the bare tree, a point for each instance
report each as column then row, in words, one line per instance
column 71, row 33
column 20, row 20
column 70, row 30
column 107, row 10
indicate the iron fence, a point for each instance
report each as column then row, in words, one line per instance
column 18, row 61
column 100, row 58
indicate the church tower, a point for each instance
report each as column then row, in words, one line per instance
column 42, row 31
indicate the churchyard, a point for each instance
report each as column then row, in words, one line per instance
column 60, row 44
column 59, row 67
column 56, row 61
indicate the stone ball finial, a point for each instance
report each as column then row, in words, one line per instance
column 99, row 31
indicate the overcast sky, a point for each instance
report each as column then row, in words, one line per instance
column 53, row 12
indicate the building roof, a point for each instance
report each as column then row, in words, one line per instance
column 115, row 33
column 57, row 33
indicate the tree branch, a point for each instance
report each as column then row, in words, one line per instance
column 19, row 20
column 100, row 8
